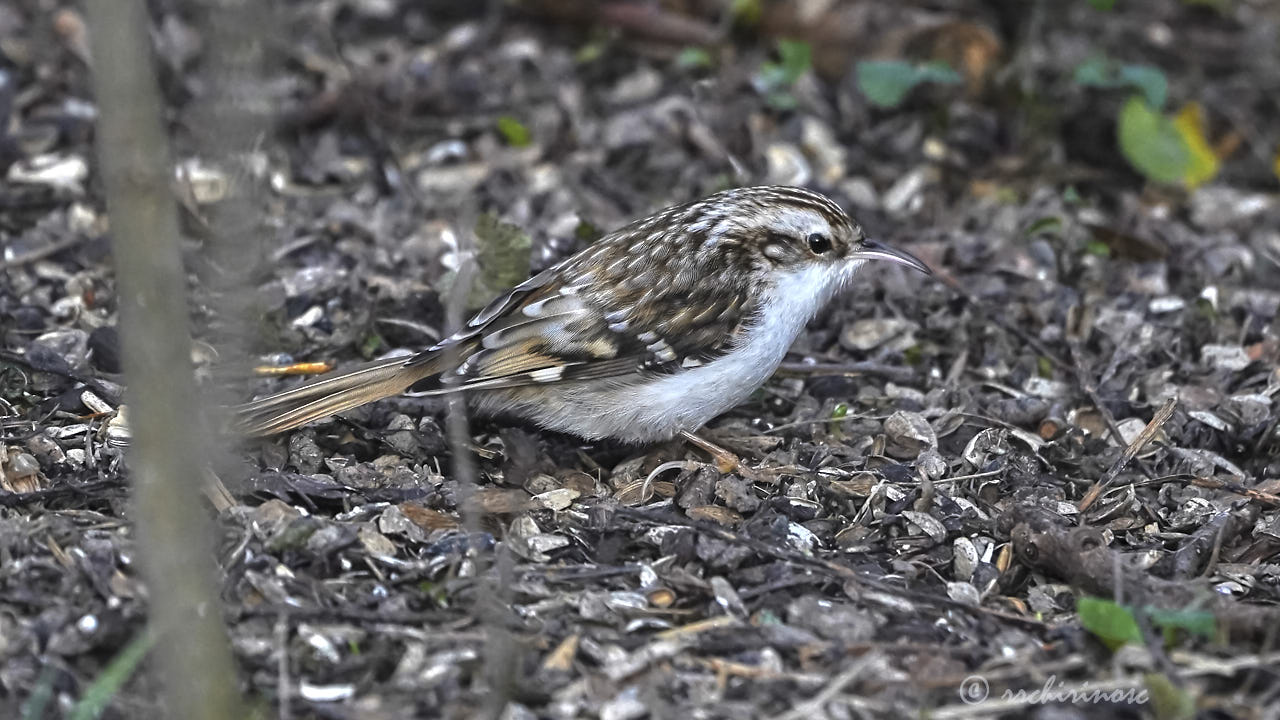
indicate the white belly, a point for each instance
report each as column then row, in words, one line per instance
column 659, row 408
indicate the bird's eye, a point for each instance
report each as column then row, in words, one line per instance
column 819, row 243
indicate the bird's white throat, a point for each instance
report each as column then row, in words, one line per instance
column 785, row 308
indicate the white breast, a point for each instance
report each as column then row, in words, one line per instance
column 659, row 409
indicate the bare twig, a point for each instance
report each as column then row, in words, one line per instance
column 1258, row 496
column 43, row 252
column 89, row 489
column 893, row 372
column 1148, row 433
column 1090, row 389
column 65, row 372
column 813, row 707
column 500, row 655
column 229, row 118
column 654, row 22
column 283, row 682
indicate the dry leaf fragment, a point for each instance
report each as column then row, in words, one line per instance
column 426, row 518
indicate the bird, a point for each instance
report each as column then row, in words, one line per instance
column 645, row 335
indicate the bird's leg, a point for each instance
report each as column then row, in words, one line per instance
column 726, row 461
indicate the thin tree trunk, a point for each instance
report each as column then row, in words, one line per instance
column 167, row 459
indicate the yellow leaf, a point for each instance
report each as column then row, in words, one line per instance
column 1203, row 165
column 1276, row 165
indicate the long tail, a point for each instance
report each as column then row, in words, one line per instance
column 327, row 396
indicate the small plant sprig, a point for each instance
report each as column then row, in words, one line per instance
column 774, row 79
column 1166, row 149
column 886, row 83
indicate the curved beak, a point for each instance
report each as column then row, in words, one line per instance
column 876, row 250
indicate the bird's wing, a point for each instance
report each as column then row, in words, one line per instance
column 592, row 320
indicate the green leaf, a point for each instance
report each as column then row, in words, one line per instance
column 796, row 58
column 793, row 61
column 1151, row 143
column 513, row 131
column 501, row 254
column 1044, row 366
column 437, row 593
column 33, row 707
column 1103, row 5
column 781, row 100
column 887, row 82
column 1048, row 224
column 938, row 72
column 502, row 250
column 1098, row 71
column 770, row 78
column 693, row 58
column 371, row 343
column 913, row 355
column 1203, row 163
column 766, row 617
column 591, row 51
column 1195, row 622
column 1095, row 72
column 1148, row 79
column 587, row 231
column 838, row 413
column 1097, row 247
column 747, row 13
column 724, row 181
column 774, row 80
column 1113, row 624
column 104, row 688
column 1169, row 701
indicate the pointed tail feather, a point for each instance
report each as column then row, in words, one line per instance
column 327, row 396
